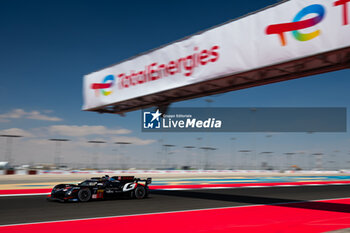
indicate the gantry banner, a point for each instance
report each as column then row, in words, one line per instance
column 281, row 33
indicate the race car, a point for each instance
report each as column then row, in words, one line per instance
column 102, row 188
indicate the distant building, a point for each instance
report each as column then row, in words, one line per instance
column 4, row 165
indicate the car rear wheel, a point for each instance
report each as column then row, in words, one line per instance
column 84, row 195
column 140, row 192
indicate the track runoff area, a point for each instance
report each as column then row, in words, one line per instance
column 213, row 204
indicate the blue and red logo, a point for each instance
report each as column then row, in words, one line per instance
column 299, row 24
column 105, row 86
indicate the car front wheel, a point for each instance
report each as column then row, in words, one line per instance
column 84, row 195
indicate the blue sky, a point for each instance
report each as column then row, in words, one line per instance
column 47, row 46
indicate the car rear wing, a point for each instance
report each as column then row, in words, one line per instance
column 147, row 181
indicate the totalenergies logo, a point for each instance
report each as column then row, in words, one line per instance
column 104, row 87
column 298, row 24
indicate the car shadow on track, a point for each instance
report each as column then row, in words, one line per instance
column 292, row 203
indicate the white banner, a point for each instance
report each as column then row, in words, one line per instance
column 289, row 31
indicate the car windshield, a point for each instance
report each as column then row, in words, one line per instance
column 88, row 183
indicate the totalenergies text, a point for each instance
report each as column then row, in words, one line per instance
column 184, row 65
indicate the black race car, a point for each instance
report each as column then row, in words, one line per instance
column 102, row 188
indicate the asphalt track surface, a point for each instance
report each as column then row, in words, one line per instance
column 28, row 209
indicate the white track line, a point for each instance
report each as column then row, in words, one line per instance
column 23, row 194
column 287, row 185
